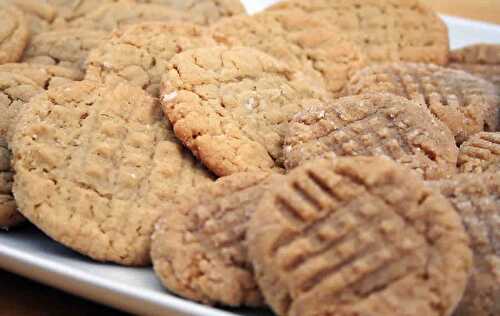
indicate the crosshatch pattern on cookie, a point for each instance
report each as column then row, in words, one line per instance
column 481, row 153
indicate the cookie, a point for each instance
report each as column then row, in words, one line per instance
column 9, row 216
column 67, row 48
column 231, row 106
column 373, row 125
column 113, row 15
column 199, row 250
column 481, row 153
column 358, row 236
column 140, row 54
column 204, row 11
column 385, row 30
column 304, row 41
column 95, row 166
column 68, row 10
column 477, row 199
column 14, row 34
column 45, row 76
column 38, row 14
column 465, row 103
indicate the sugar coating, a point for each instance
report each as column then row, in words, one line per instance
column 481, row 153
column 358, row 236
column 96, row 166
column 389, row 30
column 304, row 41
column 373, row 125
column 233, row 106
column 200, row 250
column 14, row 34
column 465, row 103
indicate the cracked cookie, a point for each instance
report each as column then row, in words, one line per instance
column 358, row 236
column 199, row 249
column 39, row 15
column 303, row 41
column 476, row 197
column 465, row 103
column 95, row 167
column 385, row 31
column 140, row 54
column 373, row 125
column 45, row 76
column 231, row 106
column 480, row 153
column 14, row 34
column 9, row 216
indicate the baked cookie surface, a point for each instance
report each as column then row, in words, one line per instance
column 231, row 106
column 9, row 216
column 465, row 103
column 199, row 250
column 373, row 125
column 304, row 41
column 39, row 15
column 45, row 76
column 389, row 30
column 14, row 34
column 358, row 236
column 140, row 54
column 480, row 153
column 482, row 60
column 96, row 166
column 476, row 197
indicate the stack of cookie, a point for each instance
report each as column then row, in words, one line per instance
column 320, row 158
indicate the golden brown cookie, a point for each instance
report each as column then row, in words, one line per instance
column 358, row 236
column 38, row 14
column 45, row 76
column 204, row 11
column 68, row 10
column 465, row 103
column 199, row 250
column 477, row 199
column 373, row 125
column 389, row 30
column 67, row 48
column 481, row 153
column 140, row 54
column 231, row 106
column 95, row 167
column 9, row 216
column 14, row 34
column 304, row 41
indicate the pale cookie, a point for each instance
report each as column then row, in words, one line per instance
column 68, row 10
column 391, row 30
column 373, row 125
column 9, row 216
column 140, row 54
column 480, row 153
column 95, row 167
column 358, row 236
column 465, row 103
column 204, row 11
column 199, row 250
column 304, row 41
column 14, row 34
column 110, row 16
column 39, row 14
column 231, row 106
column 67, row 48
column 45, row 76
column 477, row 199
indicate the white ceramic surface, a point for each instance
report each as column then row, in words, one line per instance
column 29, row 253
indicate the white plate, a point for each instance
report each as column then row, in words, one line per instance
column 29, row 253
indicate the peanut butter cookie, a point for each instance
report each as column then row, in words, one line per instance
column 39, row 15
column 373, row 125
column 199, row 250
column 9, row 216
column 14, row 34
column 391, row 30
column 481, row 153
column 304, row 41
column 231, row 106
column 140, row 54
column 358, row 236
column 465, row 103
column 95, row 167
column 45, row 76
column 477, row 199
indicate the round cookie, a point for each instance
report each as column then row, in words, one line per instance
column 68, row 10
column 389, row 30
column 305, row 42
column 465, row 103
column 480, row 153
column 140, row 54
column 14, row 34
column 9, row 216
column 39, row 14
column 199, row 250
column 358, row 236
column 67, row 48
column 95, row 167
column 476, row 197
column 45, row 76
column 204, row 11
column 373, row 125
column 231, row 106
